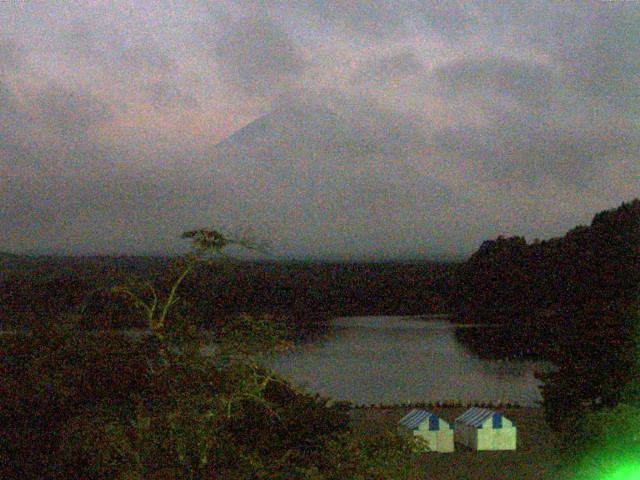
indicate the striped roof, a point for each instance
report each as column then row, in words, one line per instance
column 475, row 416
column 415, row 417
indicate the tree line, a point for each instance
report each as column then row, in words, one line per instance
column 305, row 293
column 571, row 300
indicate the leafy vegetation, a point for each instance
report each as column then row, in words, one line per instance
column 89, row 404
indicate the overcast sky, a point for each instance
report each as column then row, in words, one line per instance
column 526, row 113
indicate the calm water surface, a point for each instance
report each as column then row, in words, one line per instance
column 397, row 359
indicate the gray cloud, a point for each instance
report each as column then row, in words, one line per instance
column 95, row 46
column 258, row 56
column 605, row 53
column 523, row 150
column 110, row 48
column 599, row 42
column 26, row 128
column 537, row 100
column 9, row 113
column 368, row 18
column 388, row 68
column 148, row 58
column 167, row 94
column 70, row 112
column 12, row 56
column 386, row 18
column 115, row 211
column 532, row 133
column 513, row 79
column 8, row 100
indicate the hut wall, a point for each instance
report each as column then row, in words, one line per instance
column 505, row 439
column 484, row 438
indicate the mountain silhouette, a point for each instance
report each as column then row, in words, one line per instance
column 323, row 183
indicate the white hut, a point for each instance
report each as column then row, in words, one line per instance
column 437, row 432
column 483, row 429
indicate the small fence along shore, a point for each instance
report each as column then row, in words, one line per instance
column 347, row 405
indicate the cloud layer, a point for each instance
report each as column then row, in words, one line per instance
column 111, row 113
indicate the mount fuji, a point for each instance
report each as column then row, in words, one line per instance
column 322, row 183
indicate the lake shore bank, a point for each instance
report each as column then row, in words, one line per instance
column 537, row 456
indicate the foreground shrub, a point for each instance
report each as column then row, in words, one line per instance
column 81, row 405
column 604, row 444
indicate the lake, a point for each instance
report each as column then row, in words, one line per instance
column 399, row 359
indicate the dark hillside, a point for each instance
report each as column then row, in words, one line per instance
column 557, row 292
column 572, row 300
column 45, row 286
